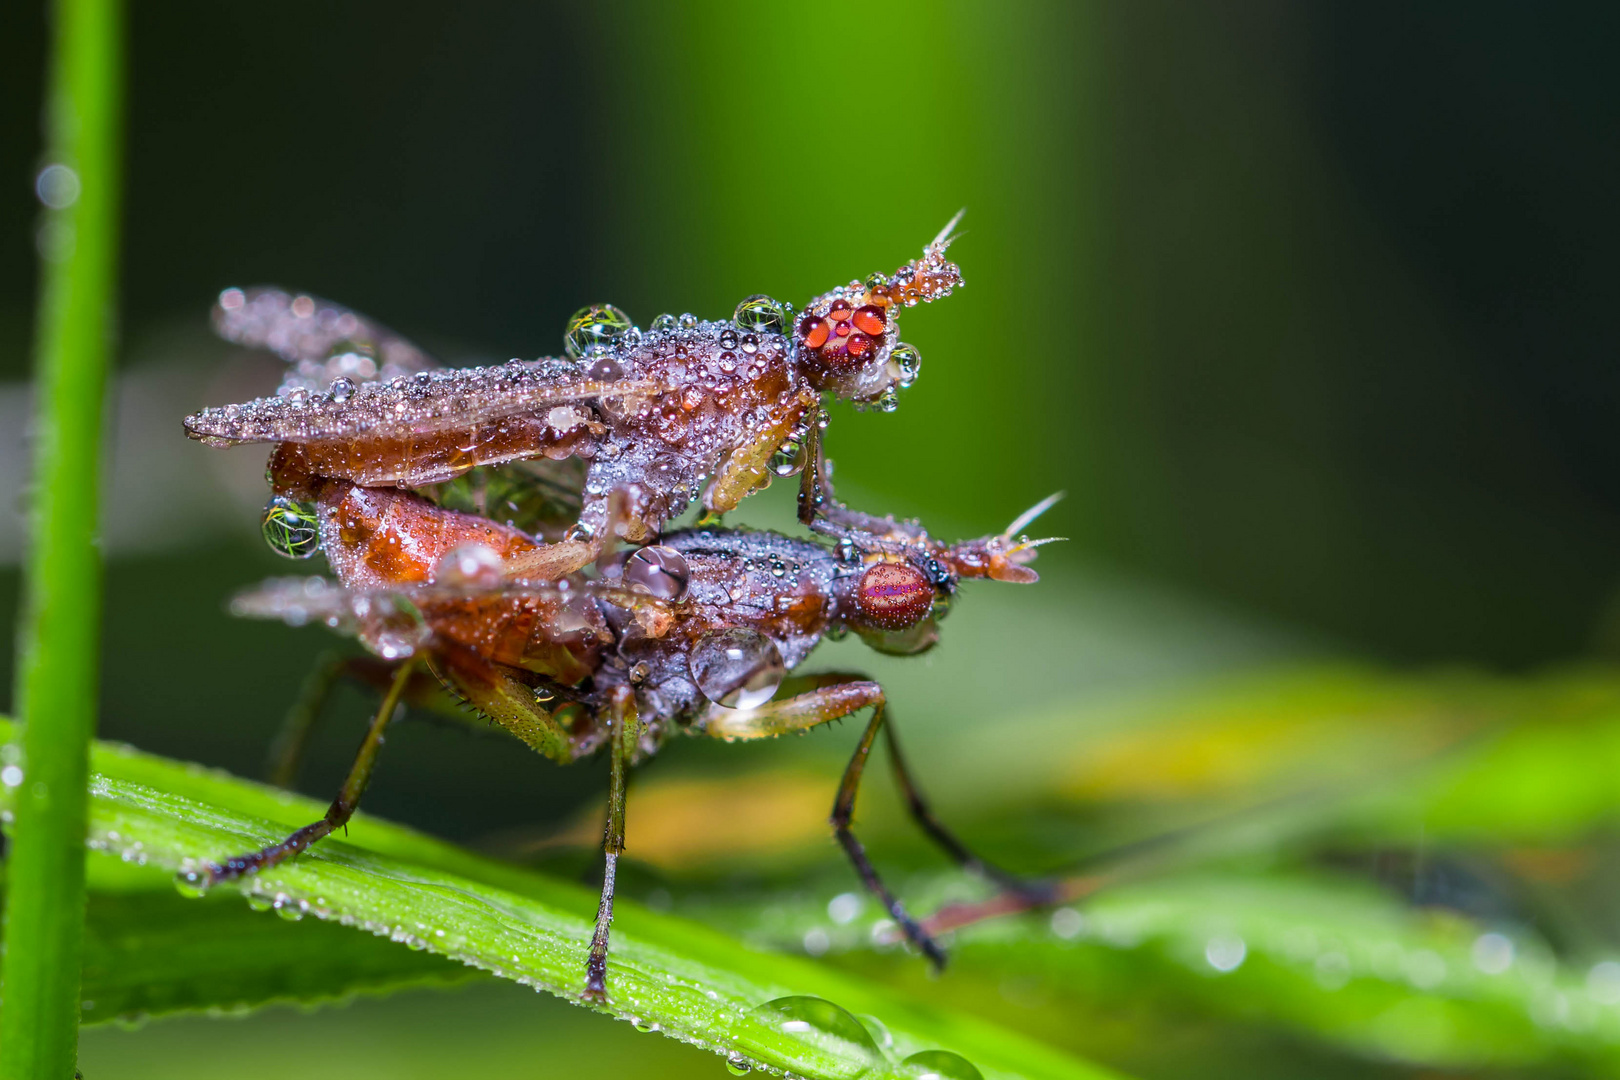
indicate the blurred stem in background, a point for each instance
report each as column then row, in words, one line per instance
column 59, row 636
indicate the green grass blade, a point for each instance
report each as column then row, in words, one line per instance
column 60, row 632
column 1334, row 960
column 690, row 982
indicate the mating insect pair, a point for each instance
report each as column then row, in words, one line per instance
column 693, row 634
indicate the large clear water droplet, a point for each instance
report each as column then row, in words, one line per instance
column 291, row 528
column 341, row 390
column 393, row 628
column 666, row 321
column 940, row 1065
column 789, row 458
column 907, row 363
column 737, row 668
column 835, row 1043
column 598, row 325
column 661, row 571
column 737, row 1065
column 470, row 566
column 759, row 312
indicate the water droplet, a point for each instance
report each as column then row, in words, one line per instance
column 393, row 627
column 737, row 1065
column 579, row 531
column 750, row 344
column 1225, row 953
column 470, row 566
column 688, row 321
column 291, row 528
column 646, row 1027
column 661, row 571
column 597, row 325
column 789, row 459
column 341, row 390
column 258, row 901
column 666, row 321
column 843, row 908
column 940, row 1065
column 738, row 668
column 888, row 401
column 838, row 1044
column 604, row 369
column 759, row 312
column 907, row 363
column 288, row 908
column 57, row 186
column 728, row 339
column 190, row 882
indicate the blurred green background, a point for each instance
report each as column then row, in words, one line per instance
column 1309, row 307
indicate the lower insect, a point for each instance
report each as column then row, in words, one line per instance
column 700, row 634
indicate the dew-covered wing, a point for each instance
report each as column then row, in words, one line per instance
column 320, row 341
column 428, row 403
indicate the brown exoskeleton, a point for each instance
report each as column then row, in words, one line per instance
column 694, row 635
column 686, row 410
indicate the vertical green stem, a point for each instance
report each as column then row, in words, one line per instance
column 59, row 638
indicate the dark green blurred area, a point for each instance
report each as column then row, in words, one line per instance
column 1309, row 307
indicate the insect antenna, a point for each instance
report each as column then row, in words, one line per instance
column 1027, row 518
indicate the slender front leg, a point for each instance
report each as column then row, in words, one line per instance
column 624, row 731
column 342, row 808
column 840, row 696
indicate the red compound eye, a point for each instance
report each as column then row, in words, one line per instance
column 894, row 596
column 859, row 346
column 869, row 320
column 814, row 331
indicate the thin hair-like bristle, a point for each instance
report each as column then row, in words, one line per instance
column 946, row 235
column 1024, row 520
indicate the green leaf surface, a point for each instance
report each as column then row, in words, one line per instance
column 149, row 952
column 1329, row 958
column 690, row 982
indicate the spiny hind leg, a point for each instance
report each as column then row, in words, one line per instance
column 837, row 696
column 624, row 731
column 342, row 808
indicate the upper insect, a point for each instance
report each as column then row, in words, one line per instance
column 684, row 410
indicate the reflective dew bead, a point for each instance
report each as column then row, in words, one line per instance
column 341, row 390
column 604, row 369
column 470, row 566
column 666, row 321
column 907, row 362
column 760, row 313
column 788, row 460
column 599, row 324
column 291, row 528
column 660, row 571
column 894, row 596
column 840, row 311
column 814, row 331
column 736, row 668
column 859, row 345
column 869, row 320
